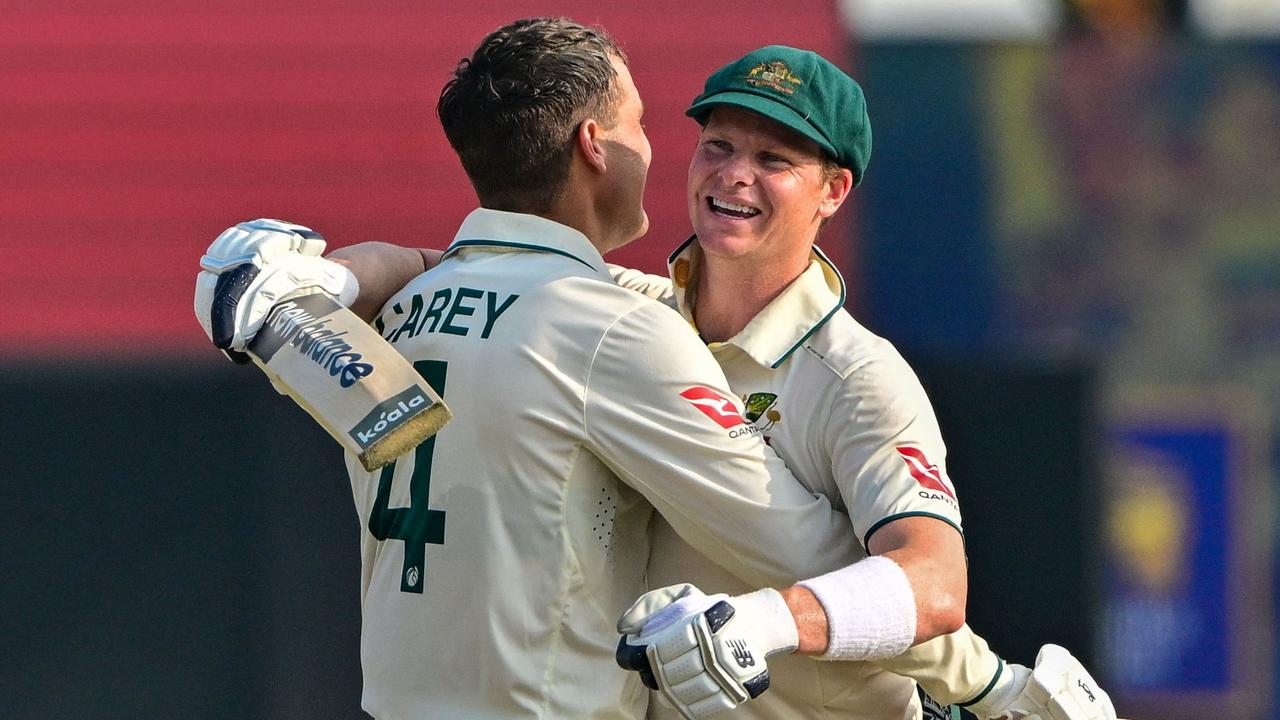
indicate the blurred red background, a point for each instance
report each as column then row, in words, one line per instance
column 132, row 134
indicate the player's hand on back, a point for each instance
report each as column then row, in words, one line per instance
column 1057, row 688
column 254, row 265
column 705, row 653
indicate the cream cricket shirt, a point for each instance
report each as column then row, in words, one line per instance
column 498, row 556
column 849, row 417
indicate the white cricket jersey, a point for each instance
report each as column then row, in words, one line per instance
column 851, row 420
column 513, row 540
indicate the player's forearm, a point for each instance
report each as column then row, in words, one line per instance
column 382, row 269
column 939, row 594
column 909, row 591
column 958, row 664
column 931, row 553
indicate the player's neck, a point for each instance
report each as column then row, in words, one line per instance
column 730, row 293
column 596, row 205
column 585, row 222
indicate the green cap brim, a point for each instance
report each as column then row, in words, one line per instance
column 767, row 107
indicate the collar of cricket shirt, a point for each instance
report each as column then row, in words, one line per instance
column 501, row 231
column 790, row 319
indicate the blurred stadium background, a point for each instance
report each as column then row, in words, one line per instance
column 1070, row 225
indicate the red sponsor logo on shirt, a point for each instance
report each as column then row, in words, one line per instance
column 925, row 472
column 714, row 405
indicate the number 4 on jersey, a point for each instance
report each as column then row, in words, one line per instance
column 417, row 524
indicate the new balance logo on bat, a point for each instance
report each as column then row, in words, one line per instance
column 302, row 324
column 714, row 405
column 925, row 472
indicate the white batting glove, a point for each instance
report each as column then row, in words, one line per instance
column 705, row 653
column 256, row 264
column 1058, row 688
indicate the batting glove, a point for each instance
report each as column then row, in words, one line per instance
column 705, row 653
column 254, row 265
column 1058, row 688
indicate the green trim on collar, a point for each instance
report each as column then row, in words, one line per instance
column 822, row 257
column 507, row 243
column 825, row 264
column 914, row 513
column 990, row 686
column 675, row 254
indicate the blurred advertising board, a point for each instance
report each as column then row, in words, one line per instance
column 1186, row 599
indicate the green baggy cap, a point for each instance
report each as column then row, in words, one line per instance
column 800, row 90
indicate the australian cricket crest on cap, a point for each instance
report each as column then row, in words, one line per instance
column 774, row 75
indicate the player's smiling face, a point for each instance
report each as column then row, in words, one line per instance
column 758, row 189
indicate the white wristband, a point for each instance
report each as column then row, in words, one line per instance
column 871, row 611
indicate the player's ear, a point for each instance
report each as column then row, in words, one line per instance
column 836, row 189
column 589, row 141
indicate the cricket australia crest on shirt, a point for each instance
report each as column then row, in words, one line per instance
column 762, row 405
column 715, row 406
column 931, row 478
column 775, row 76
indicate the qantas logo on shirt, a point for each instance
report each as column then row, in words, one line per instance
column 925, row 473
column 714, row 405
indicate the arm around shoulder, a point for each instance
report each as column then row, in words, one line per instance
column 659, row 412
column 657, row 287
column 382, row 269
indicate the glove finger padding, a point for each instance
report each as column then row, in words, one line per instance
column 689, row 670
column 646, row 611
column 260, row 242
column 706, row 653
column 289, row 277
column 227, row 292
column 254, row 265
column 1061, row 689
column 635, row 657
column 648, row 616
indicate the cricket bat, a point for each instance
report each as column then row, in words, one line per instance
column 354, row 383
